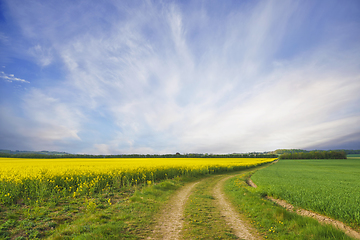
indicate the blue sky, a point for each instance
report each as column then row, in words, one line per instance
column 109, row 77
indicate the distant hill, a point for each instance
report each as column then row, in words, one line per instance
column 17, row 152
column 282, row 151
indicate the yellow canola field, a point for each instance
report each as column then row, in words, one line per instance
column 15, row 169
column 40, row 178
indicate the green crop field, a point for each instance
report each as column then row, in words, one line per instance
column 329, row 187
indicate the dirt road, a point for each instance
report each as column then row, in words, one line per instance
column 170, row 223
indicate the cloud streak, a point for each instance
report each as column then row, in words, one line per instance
column 11, row 78
column 172, row 77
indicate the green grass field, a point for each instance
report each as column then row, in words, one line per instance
column 273, row 221
column 329, row 187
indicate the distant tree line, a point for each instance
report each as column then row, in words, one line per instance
column 177, row 155
column 32, row 152
column 314, row 155
column 352, row 151
column 282, row 151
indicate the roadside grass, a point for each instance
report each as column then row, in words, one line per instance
column 126, row 213
column 271, row 220
column 329, row 187
column 202, row 217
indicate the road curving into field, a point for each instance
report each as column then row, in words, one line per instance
column 170, row 223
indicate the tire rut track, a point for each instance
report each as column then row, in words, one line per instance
column 171, row 221
column 232, row 217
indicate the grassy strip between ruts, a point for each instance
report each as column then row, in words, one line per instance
column 202, row 218
column 272, row 220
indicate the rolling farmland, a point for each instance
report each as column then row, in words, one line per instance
column 146, row 197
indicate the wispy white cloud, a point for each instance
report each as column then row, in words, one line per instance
column 170, row 80
column 11, row 78
column 42, row 55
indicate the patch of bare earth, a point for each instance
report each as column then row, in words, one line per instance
column 233, row 219
column 320, row 218
column 171, row 221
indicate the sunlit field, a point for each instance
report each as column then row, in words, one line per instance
column 27, row 180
